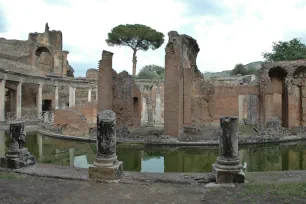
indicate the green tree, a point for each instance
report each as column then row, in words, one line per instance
column 239, row 69
column 151, row 71
column 137, row 37
column 282, row 50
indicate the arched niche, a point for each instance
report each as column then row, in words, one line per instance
column 279, row 95
column 43, row 59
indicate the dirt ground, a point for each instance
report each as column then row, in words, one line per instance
column 24, row 189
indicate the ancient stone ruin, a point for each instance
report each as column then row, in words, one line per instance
column 36, row 81
column 106, row 165
column 17, row 156
column 227, row 168
column 180, row 63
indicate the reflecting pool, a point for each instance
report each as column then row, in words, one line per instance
column 277, row 157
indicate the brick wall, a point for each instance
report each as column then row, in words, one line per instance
column 72, row 122
column 118, row 92
column 89, row 111
column 210, row 100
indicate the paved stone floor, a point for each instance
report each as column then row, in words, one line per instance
column 25, row 189
column 147, row 188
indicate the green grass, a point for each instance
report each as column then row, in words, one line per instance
column 273, row 193
column 10, row 176
column 258, row 193
column 292, row 189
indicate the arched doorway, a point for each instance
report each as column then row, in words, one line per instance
column 280, row 94
column 136, row 111
column 299, row 86
column 43, row 59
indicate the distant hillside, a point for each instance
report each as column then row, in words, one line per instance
column 256, row 65
column 225, row 73
column 218, row 74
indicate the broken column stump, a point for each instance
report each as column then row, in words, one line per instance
column 17, row 156
column 106, row 166
column 228, row 167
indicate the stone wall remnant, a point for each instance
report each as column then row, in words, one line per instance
column 280, row 93
column 118, row 92
column 180, row 64
column 106, row 166
column 71, row 122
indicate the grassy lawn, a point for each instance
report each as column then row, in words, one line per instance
column 10, row 176
column 258, row 193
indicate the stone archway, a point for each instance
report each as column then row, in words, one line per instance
column 299, row 86
column 279, row 94
column 43, row 59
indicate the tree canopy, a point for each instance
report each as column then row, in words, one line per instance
column 137, row 37
column 243, row 70
column 239, row 69
column 283, row 50
column 151, row 71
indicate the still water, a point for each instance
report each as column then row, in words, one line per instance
column 279, row 157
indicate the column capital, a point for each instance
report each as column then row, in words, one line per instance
column 21, row 80
column 4, row 77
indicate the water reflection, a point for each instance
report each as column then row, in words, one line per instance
column 163, row 159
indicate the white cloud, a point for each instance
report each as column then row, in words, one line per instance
column 250, row 28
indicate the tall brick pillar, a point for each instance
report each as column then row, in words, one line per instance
column 180, row 63
column 173, row 107
column 105, row 82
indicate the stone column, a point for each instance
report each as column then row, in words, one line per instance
column 106, row 165
column 71, row 97
column 158, row 105
column 56, row 97
column 17, row 156
column 89, row 94
column 227, row 167
column 150, row 114
column 18, row 100
column 39, row 101
column 2, row 100
column 97, row 94
column 144, row 113
column 105, row 82
column 73, row 94
column 241, row 108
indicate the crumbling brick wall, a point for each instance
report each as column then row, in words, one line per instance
column 126, row 100
column 118, row 92
column 180, row 66
column 16, row 50
column 71, row 122
column 212, row 100
column 89, row 111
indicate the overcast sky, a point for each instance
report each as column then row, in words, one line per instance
column 228, row 32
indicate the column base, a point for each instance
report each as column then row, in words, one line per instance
column 228, row 175
column 106, row 173
column 16, row 160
